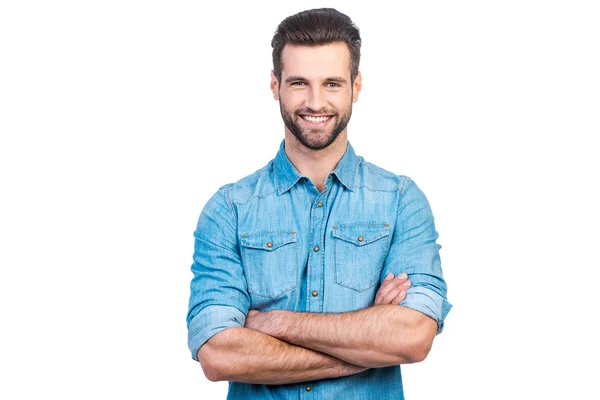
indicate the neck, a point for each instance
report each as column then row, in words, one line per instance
column 315, row 164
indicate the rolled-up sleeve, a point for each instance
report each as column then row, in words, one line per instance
column 413, row 250
column 218, row 291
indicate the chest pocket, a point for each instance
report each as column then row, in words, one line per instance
column 271, row 262
column 359, row 250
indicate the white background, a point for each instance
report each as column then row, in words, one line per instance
column 118, row 120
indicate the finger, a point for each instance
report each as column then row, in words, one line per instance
column 391, row 285
column 390, row 298
column 399, row 298
column 388, row 278
column 383, row 290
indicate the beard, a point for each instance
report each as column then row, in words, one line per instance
column 316, row 138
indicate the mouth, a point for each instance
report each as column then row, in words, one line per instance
column 316, row 119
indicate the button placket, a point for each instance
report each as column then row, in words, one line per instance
column 317, row 224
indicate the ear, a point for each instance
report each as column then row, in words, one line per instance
column 356, row 87
column 274, row 86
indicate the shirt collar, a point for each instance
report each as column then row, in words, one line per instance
column 287, row 175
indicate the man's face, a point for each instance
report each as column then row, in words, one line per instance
column 316, row 93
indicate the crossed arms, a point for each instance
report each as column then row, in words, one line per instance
column 278, row 347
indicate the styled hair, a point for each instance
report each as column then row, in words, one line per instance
column 314, row 28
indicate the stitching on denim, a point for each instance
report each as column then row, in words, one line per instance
column 351, row 224
column 309, row 283
column 400, row 210
column 254, row 197
column 386, row 175
column 400, row 193
column 273, row 296
column 283, row 290
column 324, row 229
column 238, row 185
column 278, row 183
column 353, row 240
column 376, row 190
column 259, row 174
column 267, row 232
column 229, row 204
column 335, row 265
column 404, row 184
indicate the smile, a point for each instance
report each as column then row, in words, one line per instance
column 316, row 120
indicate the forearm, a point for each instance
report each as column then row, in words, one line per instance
column 373, row 337
column 244, row 355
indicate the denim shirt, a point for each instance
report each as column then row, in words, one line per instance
column 272, row 241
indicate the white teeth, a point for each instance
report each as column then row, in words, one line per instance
column 315, row 120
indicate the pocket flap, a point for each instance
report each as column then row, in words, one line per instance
column 361, row 234
column 268, row 241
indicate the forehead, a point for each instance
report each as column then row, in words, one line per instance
column 316, row 61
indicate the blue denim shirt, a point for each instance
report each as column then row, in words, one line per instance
column 272, row 239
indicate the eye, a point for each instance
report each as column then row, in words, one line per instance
column 297, row 83
column 333, row 85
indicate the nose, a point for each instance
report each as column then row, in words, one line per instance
column 316, row 99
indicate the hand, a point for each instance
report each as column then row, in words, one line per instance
column 392, row 290
column 263, row 322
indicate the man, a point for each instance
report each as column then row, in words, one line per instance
column 303, row 270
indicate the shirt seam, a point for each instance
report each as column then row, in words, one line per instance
column 404, row 184
column 376, row 190
column 254, row 197
column 230, row 204
column 381, row 173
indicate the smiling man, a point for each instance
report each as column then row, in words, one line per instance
column 319, row 274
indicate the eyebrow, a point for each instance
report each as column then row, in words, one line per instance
column 337, row 79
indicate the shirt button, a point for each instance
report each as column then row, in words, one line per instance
column 360, row 238
column 269, row 244
column 316, row 249
column 320, row 204
column 315, row 293
column 308, row 388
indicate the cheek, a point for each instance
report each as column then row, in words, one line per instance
column 342, row 103
column 291, row 100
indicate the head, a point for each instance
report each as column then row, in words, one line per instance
column 315, row 75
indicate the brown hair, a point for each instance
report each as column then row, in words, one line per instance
column 313, row 28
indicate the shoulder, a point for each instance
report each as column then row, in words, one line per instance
column 222, row 202
column 260, row 183
column 373, row 177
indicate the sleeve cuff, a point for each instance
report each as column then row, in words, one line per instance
column 429, row 303
column 210, row 321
